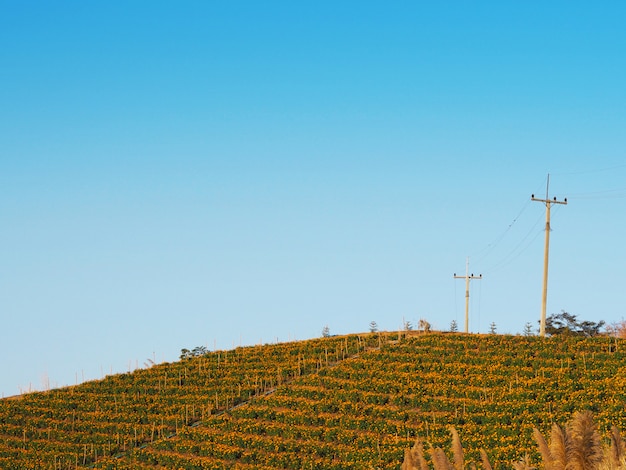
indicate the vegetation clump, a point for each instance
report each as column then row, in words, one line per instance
column 198, row 351
column 566, row 324
column 576, row 446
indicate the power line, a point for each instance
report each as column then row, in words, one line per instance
column 517, row 251
column 603, row 194
column 591, row 170
column 492, row 246
column 487, row 250
column 614, row 193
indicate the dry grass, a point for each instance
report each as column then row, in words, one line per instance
column 414, row 458
column 576, row 446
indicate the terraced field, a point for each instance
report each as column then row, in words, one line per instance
column 84, row 424
column 333, row 403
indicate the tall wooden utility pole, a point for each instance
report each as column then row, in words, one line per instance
column 544, row 297
column 467, row 278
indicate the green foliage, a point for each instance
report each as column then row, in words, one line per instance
column 195, row 352
column 566, row 324
column 528, row 329
column 103, row 422
column 362, row 413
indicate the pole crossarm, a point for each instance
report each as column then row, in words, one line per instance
column 548, row 201
column 480, row 276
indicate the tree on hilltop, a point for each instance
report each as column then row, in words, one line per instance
column 195, row 352
column 528, row 329
column 617, row 329
column 566, row 324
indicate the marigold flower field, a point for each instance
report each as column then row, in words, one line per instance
column 350, row 402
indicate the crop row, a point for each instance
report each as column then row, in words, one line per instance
column 363, row 412
column 83, row 424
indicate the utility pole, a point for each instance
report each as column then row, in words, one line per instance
column 467, row 278
column 544, row 297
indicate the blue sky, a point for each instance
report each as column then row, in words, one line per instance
column 176, row 174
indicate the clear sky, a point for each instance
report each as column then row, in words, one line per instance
column 177, row 174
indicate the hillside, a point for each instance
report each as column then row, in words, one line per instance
column 334, row 403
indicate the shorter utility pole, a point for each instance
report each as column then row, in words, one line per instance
column 544, row 297
column 467, row 278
